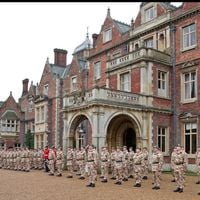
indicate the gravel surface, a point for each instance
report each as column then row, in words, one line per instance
column 37, row 185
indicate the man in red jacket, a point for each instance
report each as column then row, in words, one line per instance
column 46, row 158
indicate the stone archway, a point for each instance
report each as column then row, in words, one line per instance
column 80, row 132
column 123, row 130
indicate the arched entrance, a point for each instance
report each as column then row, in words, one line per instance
column 80, row 132
column 129, row 138
column 123, row 131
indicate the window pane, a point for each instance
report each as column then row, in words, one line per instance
column 194, row 143
column 159, row 141
column 187, row 143
column 187, row 91
column 163, row 143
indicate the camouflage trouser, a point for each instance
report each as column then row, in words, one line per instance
column 1, row 162
column 130, row 168
column 70, row 168
column 35, row 163
column 138, row 173
column 179, row 175
column 22, row 164
column 18, row 165
column 92, row 172
column 198, row 172
column 119, row 171
column 40, row 163
column 27, row 164
column 156, row 175
column 81, row 165
column 113, row 170
column 59, row 166
column 4, row 163
column 145, row 168
column 104, row 169
column 51, row 166
column 125, row 169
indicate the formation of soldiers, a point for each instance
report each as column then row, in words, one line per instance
column 122, row 163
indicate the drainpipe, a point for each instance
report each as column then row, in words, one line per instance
column 173, row 57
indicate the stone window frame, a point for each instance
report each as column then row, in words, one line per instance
column 181, row 37
column 119, row 80
column 108, row 32
column 166, row 83
column 73, row 86
column 147, row 7
column 166, row 152
column 183, row 100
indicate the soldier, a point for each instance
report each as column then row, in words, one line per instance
column 81, row 158
column 125, row 163
column 46, row 158
column 59, row 161
column 27, row 159
column 40, row 158
column 70, row 159
column 35, row 162
column 31, row 158
column 157, row 163
column 130, row 162
column 52, row 159
column 119, row 159
column 138, row 161
column 15, row 159
column 105, row 160
column 180, row 164
column 197, row 156
column 172, row 163
column 91, row 158
column 18, row 160
column 146, row 163
column 112, row 157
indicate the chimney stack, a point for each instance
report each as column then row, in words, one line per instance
column 60, row 57
column 94, row 37
column 25, row 86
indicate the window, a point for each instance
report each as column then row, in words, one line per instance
column 42, row 113
column 190, row 88
column 107, row 35
column 74, row 83
column 162, row 138
column 162, row 83
column 97, row 70
column 149, row 14
column 37, row 115
column 125, row 82
column 46, row 88
column 149, row 43
column 189, row 36
column 190, row 137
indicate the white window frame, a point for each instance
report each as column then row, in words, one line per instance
column 163, row 92
column 46, row 90
column 166, row 138
column 148, row 12
column 97, row 70
column 191, row 133
column 107, row 35
column 73, row 84
column 128, row 89
column 184, row 99
column 189, row 37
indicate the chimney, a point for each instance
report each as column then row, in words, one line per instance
column 94, row 37
column 25, row 86
column 60, row 57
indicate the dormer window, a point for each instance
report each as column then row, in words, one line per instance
column 73, row 83
column 149, row 14
column 107, row 35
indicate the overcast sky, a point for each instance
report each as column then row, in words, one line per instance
column 30, row 31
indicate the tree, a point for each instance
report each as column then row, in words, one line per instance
column 29, row 139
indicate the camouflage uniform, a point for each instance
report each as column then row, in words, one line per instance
column 112, row 157
column 92, row 166
column 105, row 160
column 125, row 163
column 52, row 159
column 157, row 163
column 146, row 163
column 70, row 158
column 180, row 164
column 119, row 159
column 130, row 163
column 138, row 161
column 59, row 161
column 172, row 163
column 81, row 157
column 197, row 156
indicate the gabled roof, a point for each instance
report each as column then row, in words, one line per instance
column 1, row 103
column 10, row 115
column 122, row 27
column 166, row 5
column 66, row 70
column 57, row 70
